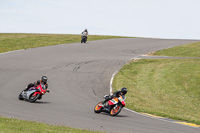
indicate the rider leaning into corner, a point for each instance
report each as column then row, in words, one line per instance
column 85, row 32
column 43, row 83
column 117, row 94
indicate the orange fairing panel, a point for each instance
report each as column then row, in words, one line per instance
column 113, row 101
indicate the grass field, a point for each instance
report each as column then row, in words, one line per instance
column 16, row 41
column 19, row 126
column 164, row 87
column 189, row 50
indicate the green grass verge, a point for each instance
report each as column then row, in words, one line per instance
column 163, row 87
column 16, row 41
column 189, row 50
column 8, row 125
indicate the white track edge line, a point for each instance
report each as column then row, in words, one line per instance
column 12, row 51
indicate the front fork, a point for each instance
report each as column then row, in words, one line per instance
column 108, row 107
column 115, row 106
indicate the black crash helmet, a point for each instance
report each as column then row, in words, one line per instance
column 44, row 79
column 124, row 90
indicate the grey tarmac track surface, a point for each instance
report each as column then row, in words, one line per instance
column 79, row 76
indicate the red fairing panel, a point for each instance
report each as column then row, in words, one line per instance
column 36, row 93
column 123, row 103
column 41, row 89
column 110, row 103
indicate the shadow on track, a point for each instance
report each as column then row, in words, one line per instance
column 40, row 102
column 103, row 113
column 36, row 102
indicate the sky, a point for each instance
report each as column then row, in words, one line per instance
column 170, row 19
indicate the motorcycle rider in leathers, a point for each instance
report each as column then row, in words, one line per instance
column 117, row 94
column 43, row 83
column 85, row 32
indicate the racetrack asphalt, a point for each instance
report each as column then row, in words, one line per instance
column 79, row 76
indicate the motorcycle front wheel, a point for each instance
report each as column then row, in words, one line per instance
column 98, row 108
column 116, row 110
column 33, row 98
column 20, row 96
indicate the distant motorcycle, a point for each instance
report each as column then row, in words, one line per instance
column 84, row 37
column 116, row 105
column 32, row 94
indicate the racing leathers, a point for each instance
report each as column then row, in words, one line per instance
column 84, row 33
column 35, row 84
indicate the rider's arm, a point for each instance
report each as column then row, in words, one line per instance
column 37, row 83
column 116, row 94
column 46, row 86
column 30, row 85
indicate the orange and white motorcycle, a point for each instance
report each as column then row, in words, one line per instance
column 111, row 105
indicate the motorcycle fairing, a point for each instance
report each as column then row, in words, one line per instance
column 27, row 94
column 121, row 99
column 39, row 87
column 113, row 101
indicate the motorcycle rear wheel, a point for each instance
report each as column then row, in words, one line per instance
column 97, row 108
column 116, row 110
column 33, row 98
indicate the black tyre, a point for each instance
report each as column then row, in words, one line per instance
column 97, row 108
column 33, row 98
column 20, row 96
column 116, row 110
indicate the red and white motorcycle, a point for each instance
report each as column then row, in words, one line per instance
column 32, row 94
